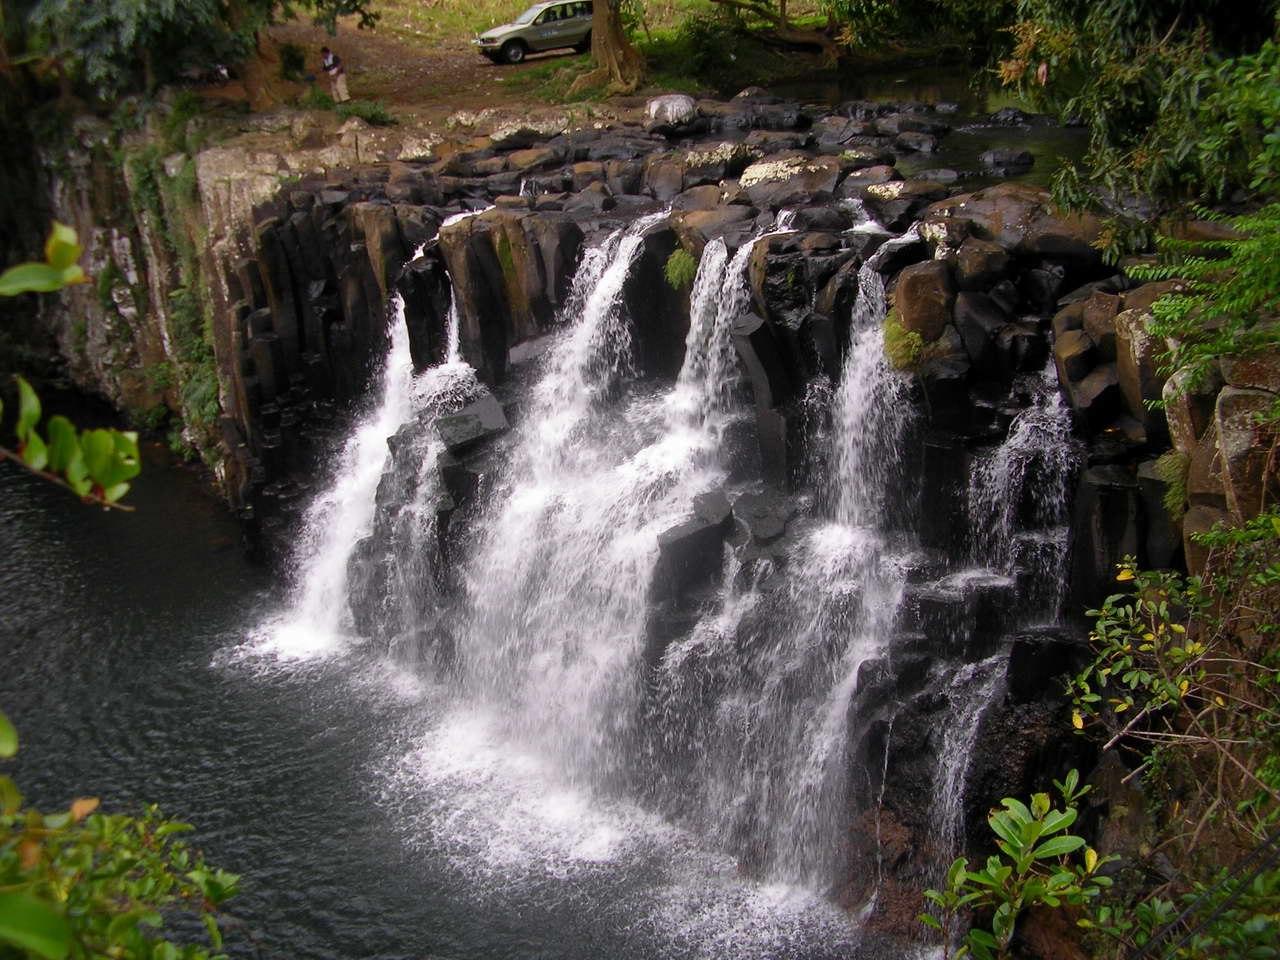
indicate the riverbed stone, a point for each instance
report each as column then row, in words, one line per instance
column 1138, row 367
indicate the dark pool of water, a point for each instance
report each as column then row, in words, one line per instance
column 125, row 669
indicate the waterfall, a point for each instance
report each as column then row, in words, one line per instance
column 754, row 703
column 317, row 621
column 970, row 690
column 1019, row 494
column 558, row 584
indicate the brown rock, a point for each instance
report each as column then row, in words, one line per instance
column 1252, row 373
column 1189, row 412
column 924, row 298
column 1096, row 397
column 586, row 173
column 1024, row 220
column 1199, row 519
column 1070, row 317
column 1141, row 298
column 980, row 263
column 1204, row 473
column 1075, row 355
column 1139, row 371
column 1098, row 320
column 1243, row 449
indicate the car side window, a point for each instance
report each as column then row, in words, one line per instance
column 547, row 17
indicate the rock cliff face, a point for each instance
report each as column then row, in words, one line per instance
column 294, row 273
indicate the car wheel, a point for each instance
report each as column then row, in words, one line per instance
column 513, row 51
column 583, row 45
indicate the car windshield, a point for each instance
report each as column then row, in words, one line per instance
column 528, row 15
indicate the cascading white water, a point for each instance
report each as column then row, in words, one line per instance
column 970, row 690
column 781, row 666
column 559, row 580
column 317, row 621
column 1019, row 494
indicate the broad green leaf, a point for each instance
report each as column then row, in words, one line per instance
column 215, row 935
column 1059, row 820
column 10, row 796
column 28, row 409
column 34, row 452
column 30, row 278
column 64, row 445
column 8, row 737
column 1017, row 809
column 34, row 925
column 923, row 918
column 62, row 249
column 1057, row 847
column 99, row 449
column 78, row 476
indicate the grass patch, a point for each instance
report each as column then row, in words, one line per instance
column 902, row 347
column 372, row 112
column 549, row 80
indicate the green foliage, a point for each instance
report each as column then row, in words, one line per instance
column 115, row 46
column 1190, row 664
column 902, row 347
column 1171, row 468
column 1036, row 866
column 83, row 884
column 94, row 464
column 1229, row 308
column 60, row 267
column 1180, row 100
column 293, row 62
column 316, row 99
column 680, row 269
column 372, row 112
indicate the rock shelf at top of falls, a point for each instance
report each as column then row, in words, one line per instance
column 699, row 545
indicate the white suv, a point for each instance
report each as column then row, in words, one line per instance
column 544, row 26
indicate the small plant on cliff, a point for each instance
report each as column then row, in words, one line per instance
column 903, row 347
column 680, row 269
column 1172, row 467
column 1036, row 866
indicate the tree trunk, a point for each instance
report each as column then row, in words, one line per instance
column 618, row 63
column 260, row 74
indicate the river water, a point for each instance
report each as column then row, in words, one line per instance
column 364, row 824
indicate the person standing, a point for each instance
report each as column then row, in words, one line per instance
column 332, row 64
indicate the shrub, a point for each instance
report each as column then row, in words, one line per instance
column 316, row 99
column 903, row 347
column 681, row 268
column 293, row 62
column 372, row 112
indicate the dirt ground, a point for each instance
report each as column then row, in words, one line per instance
column 421, row 82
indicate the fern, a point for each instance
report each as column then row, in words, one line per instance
column 1228, row 306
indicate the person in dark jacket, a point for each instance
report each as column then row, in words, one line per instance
column 332, row 64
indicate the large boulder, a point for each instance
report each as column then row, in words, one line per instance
column 479, row 421
column 980, row 264
column 1138, row 367
column 697, row 228
column 690, row 554
column 924, row 297
column 1105, row 530
column 1244, row 450
column 1024, row 220
column 1189, row 410
column 791, row 180
column 672, row 109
